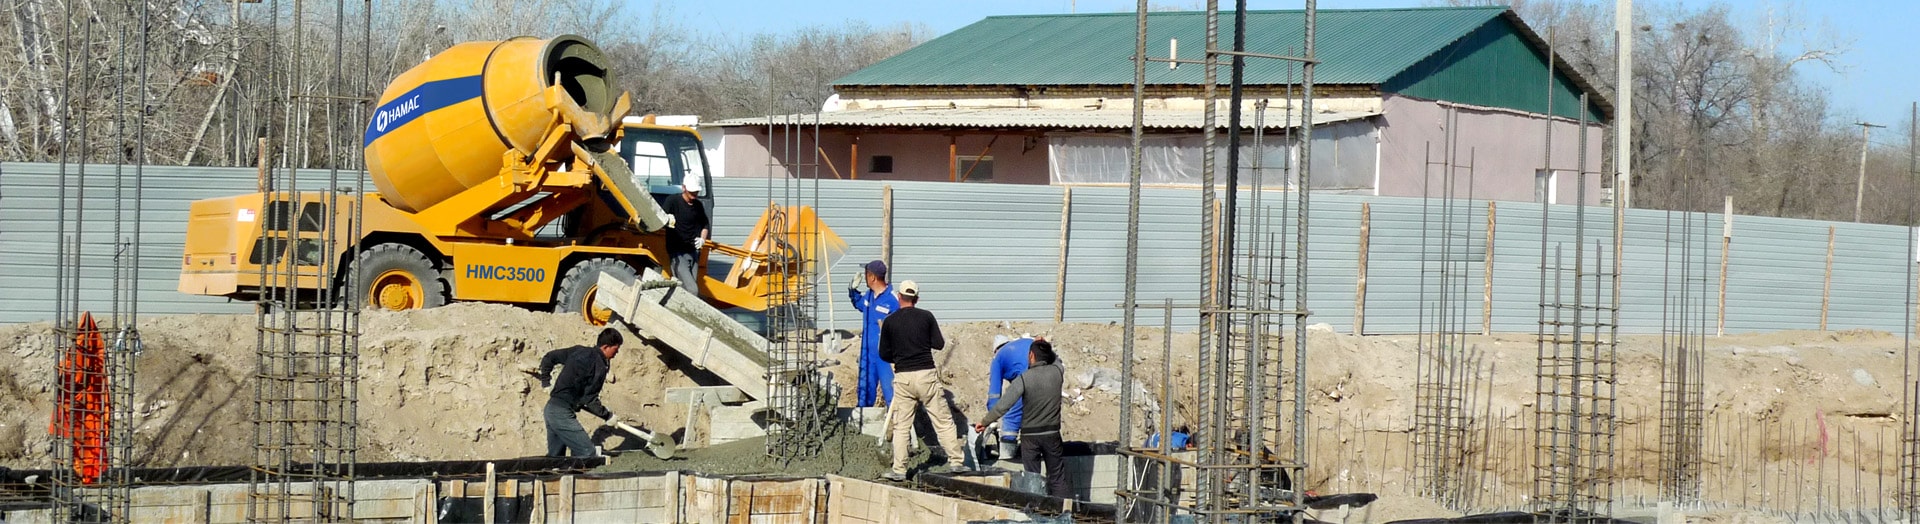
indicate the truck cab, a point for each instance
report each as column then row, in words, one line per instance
column 662, row 156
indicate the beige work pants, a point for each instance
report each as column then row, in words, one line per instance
column 912, row 390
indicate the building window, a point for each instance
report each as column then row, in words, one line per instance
column 974, row 168
column 1546, row 186
column 881, row 164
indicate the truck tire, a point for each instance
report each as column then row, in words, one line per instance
column 583, row 281
column 397, row 277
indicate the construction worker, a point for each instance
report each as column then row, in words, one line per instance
column 688, row 234
column 1039, row 390
column 874, row 306
column 1009, row 361
column 907, row 341
column 583, row 370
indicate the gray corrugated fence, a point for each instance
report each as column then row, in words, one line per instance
column 993, row 252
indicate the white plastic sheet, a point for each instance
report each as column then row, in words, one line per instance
column 1344, row 158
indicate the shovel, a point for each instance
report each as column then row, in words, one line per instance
column 659, row 445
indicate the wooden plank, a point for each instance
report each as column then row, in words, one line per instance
column 1060, row 279
column 886, row 226
column 676, row 506
column 1726, row 247
column 1826, row 290
column 566, row 499
column 492, row 492
column 539, row 502
column 1486, row 292
column 1360, row 281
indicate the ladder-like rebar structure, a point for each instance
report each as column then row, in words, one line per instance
column 307, row 316
column 1249, row 422
column 1683, row 336
column 802, row 399
column 1447, row 367
column 96, row 313
column 1576, row 418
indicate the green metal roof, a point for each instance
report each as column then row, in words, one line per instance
column 1362, row 46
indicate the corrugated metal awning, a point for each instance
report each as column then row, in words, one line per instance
column 1032, row 118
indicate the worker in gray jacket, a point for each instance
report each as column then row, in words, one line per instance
column 1038, row 390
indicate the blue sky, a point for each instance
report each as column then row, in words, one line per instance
column 1878, row 81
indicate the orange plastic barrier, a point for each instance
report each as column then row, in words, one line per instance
column 83, row 413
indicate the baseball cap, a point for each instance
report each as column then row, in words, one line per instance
column 910, row 289
column 691, row 183
column 878, row 268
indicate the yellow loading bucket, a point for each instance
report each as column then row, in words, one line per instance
column 443, row 126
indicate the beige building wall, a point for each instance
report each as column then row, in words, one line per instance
column 1505, row 148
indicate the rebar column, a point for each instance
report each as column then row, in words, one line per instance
column 307, row 313
column 802, row 398
column 1576, row 369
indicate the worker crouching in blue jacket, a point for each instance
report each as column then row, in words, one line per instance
column 874, row 306
column 1009, row 361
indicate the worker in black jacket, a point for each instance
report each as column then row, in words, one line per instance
column 1040, row 442
column 907, row 340
column 583, row 370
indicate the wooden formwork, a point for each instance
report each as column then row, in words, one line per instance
column 571, row 499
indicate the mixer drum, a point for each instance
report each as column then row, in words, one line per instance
column 443, row 126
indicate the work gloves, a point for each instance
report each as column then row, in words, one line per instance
column 855, row 284
column 614, row 421
column 699, row 243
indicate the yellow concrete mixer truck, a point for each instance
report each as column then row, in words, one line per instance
column 502, row 170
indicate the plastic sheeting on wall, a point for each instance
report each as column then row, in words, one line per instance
column 1344, row 155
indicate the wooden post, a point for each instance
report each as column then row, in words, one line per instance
column 1726, row 247
column 539, row 502
column 1060, row 279
column 830, row 167
column 262, row 182
column 886, row 227
column 953, row 158
column 853, row 159
column 566, row 499
column 1486, row 292
column 1826, row 289
column 493, row 483
column 1360, row 282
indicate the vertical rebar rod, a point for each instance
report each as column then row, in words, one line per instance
column 1208, row 479
column 1132, row 273
column 1300, row 306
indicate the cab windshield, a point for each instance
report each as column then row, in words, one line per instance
column 662, row 159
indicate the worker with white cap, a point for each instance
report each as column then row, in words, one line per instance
column 688, row 233
column 908, row 339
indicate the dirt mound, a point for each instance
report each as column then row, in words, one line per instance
column 443, row 384
column 435, row 384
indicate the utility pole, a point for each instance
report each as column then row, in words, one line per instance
column 1860, row 186
column 1623, row 104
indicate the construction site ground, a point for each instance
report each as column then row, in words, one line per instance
column 443, row 384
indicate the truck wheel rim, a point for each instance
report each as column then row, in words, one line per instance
column 396, row 290
column 592, row 311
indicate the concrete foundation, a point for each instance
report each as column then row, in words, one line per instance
column 648, row 497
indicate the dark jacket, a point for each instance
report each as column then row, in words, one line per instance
column 585, row 369
column 1039, row 388
column 908, row 338
column 689, row 219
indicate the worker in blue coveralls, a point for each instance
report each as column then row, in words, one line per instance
column 1009, row 361
column 874, row 306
